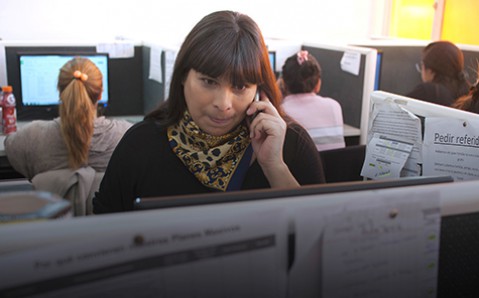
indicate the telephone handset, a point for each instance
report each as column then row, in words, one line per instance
column 256, row 98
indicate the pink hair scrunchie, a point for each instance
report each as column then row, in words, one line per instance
column 302, row 56
column 80, row 76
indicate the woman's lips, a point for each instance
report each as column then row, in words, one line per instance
column 220, row 121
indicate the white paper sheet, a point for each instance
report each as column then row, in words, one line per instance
column 375, row 244
column 224, row 254
column 170, row 57
column 451, row 147
column 351, row 62
column 156, row 71
column 386, row 119
column 3, row 67
column 385, row 157
column 117, row 49
column 383, row 247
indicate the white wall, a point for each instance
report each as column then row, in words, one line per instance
column 314, row 20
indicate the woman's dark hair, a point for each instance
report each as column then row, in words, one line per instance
column 301, row 78
column 469, row 102
column 447, row 62
column 222, row 43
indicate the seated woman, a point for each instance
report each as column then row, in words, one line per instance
column 442, row 74
column 321, row 116
column 75, row 139
column 205, row 137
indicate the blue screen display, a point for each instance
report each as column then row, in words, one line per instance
column 39, row 77
column 379, row 59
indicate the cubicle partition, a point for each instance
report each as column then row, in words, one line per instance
column 410, row 241
column 348, row 76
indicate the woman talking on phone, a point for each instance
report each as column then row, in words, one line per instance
column 210, row 134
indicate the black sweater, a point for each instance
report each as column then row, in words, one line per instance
column 143, row 165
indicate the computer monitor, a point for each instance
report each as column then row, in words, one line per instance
column 443, row 139
column 265, row 194
column 377, row 78
column 272, row 60
column 39, row 76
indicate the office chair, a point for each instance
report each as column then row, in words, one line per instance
column 343, row 164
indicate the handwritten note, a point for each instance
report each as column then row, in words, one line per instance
column 385, row 157
column 379, row 245
column 351, row 62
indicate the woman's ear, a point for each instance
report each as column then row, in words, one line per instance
column 317, row 88
column 427, row 74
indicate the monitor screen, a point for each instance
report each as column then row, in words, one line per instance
column 39, row 76
column 377, row 77
column 272, row 60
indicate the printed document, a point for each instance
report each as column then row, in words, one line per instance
column 451, row 148
column 221, row 253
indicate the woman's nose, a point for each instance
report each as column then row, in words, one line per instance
column 224, row 99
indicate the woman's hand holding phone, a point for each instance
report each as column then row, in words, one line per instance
column 267, row 131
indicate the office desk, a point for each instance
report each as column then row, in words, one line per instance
column 351, row 136
column 6, row 170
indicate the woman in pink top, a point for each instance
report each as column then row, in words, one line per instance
column 321, row 116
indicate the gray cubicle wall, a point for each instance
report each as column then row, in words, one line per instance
column 398, row 70
column 344, row 87
column 125, row 79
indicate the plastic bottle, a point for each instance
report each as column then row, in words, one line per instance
column 9, row 117
column 1, row 111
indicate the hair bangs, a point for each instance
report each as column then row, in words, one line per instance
column 230, row 59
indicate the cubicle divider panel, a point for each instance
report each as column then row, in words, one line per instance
column 399, row 74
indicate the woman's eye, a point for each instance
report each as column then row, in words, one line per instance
column 240, row 88
column 208, row 81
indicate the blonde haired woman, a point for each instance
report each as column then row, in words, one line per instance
column 75, row 139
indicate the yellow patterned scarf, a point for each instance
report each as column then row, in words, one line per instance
column 213, row 160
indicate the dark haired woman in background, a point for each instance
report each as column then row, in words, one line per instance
column 442, row 74
column 321, row 116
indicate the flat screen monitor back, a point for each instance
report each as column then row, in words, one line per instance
column 264, row 194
